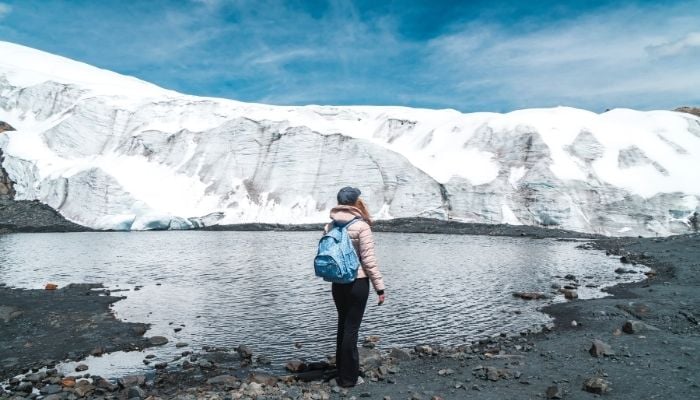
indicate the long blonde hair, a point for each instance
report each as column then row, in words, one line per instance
column 362, row 206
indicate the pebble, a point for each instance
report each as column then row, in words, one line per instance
column 51, row 389
column 139, row 330
column 600, row 349
column 424, row 349
column 596, row 385
column 132, row 380
column 400, row 354
column 554, row 392
column 295, row 366
column 530, row 295
column 136, row 392
column 81, row 368
column 264, row 360
column 246, row 352
column 227, row 380
column 158, row 340
column 633, row 326
column 25, row 387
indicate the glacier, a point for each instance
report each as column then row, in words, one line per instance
column 110, row 151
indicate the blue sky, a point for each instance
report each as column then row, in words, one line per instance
column 466, row 55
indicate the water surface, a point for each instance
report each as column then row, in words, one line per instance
column 258, row 288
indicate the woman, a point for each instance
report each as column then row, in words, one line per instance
column 351, row 298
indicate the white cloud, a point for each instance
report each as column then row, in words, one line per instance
column 594, row 61
column 687, row 43
column 5, row 9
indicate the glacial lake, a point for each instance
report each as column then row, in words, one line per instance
column 259, row 289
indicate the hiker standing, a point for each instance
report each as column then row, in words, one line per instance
column 693, row 220
column 351, row 298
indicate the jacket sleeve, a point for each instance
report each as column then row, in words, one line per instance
column 368, row 258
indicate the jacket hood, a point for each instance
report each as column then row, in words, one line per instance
column 344, row 214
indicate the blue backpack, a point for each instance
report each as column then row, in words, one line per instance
column 336, row 260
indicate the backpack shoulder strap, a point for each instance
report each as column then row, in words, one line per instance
column 347, row 224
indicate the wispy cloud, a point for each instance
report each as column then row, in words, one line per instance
column 690, row 42
column 472, row 57
column 5, row 9
column 595, row 61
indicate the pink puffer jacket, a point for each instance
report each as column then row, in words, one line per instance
column 361, row 235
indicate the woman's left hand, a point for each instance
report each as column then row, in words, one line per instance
column 382, row 297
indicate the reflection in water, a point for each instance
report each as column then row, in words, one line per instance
column 258, row 288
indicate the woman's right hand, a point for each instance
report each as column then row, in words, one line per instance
column 382, row 297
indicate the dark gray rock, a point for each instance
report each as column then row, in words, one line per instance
column 140, row 329
column 34, row 378
column 264, row 360
column 25, row 387
column 132, row 380
column 424, row 349
column 400, row 354
column 135, row 392
column 369, row 358
column 263, row 379
column 83, row 388
column 106, row 385
column 295, row 366
column 596, row 385
column 81, row 367
column 246, row 352
column 8, row 313
column 633, row 327
column 226, row 380
column 51, row 389
column 530, row 295
column 56, row 396
column 600, row 349
column 554, row 392
column 158, row 340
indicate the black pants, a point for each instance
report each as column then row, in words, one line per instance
column 350, row 301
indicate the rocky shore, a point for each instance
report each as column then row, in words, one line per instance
column 43, row 327
column 33, row 216
column 643, row 342
column 424, row 225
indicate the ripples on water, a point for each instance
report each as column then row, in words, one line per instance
column 258, row 288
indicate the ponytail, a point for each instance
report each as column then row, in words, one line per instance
column 362, row 206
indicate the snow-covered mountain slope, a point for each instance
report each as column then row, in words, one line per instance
column 110, row 151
